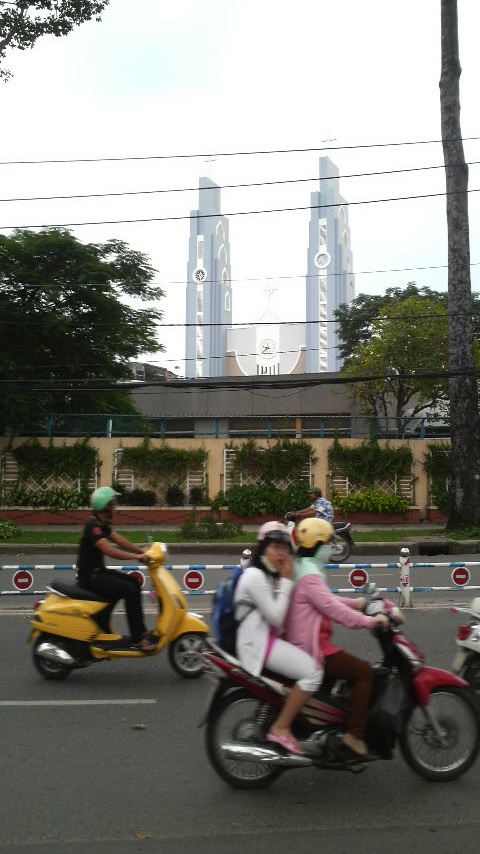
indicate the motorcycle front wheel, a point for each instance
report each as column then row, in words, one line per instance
column 239, row 718
column 340, row 549
column 446, row 757
column 185, row 654
column 471, row 671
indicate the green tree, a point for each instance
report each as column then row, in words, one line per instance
column 355, row 320
column 465, row 419
column 22, row 22
column 407, row 346
column 66, row 332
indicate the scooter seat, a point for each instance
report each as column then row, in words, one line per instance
column 74, row 591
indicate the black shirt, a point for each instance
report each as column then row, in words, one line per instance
column 89, row 557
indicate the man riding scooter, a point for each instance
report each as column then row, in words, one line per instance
column 99, row 539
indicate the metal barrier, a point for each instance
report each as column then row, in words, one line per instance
column 193, row 580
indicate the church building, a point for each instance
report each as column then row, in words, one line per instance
column 213, row 347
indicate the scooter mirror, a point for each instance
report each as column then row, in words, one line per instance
column 369, row 588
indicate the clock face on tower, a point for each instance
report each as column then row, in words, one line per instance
column 268, row 348
column 199, row 275
column 322, row 259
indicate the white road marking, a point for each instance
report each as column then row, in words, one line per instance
column 76, row 702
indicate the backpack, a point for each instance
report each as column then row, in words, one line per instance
column 223, row 612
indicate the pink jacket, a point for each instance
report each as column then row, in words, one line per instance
column 312, row 608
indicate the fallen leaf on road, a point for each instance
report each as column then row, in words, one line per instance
column 140, row 834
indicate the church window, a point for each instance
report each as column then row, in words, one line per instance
column 200, row 249
column 322, row 232
column 228, row 301
column 222, row 254
column 220, row 231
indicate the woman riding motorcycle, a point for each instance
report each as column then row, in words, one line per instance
column 261, row 601
column 308, row 625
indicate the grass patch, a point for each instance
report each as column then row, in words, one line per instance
column 71, row 538
column 396, row 536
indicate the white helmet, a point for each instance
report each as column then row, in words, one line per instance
column 276, row 531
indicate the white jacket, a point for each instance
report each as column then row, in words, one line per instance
column 270, row 596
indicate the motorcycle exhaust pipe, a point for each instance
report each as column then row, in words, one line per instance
column 269, row 756
column 54, row 653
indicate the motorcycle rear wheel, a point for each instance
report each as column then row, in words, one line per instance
column 236, row 719
column 456, row 713
column 51, row 670
column 340, row 549
column 185, row 654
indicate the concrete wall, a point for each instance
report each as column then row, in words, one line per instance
column 215, row 448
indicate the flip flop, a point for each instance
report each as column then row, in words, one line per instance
column 287, row 742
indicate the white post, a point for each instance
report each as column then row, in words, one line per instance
column 405, row 589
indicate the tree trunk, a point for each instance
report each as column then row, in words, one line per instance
column 464, row 413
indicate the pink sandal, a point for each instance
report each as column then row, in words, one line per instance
column 286, row 741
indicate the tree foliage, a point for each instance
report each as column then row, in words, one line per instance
column 355, row 320
column 65, row 334
column 23, row 22
column 406, row 347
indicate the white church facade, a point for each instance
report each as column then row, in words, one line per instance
column 213, row 347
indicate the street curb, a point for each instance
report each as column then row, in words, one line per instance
column 430, row 547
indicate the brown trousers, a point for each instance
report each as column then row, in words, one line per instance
column 342, row 665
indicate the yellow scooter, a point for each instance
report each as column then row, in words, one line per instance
column 72, row 629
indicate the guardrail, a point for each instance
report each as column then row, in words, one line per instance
column 193, row 578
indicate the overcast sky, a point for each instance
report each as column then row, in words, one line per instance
column 158, row 78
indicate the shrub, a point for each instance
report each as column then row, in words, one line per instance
column 196, row 495
column 371, row 501
column 208, row 529
column 7, row 529
column 138, row 497
column 260, row 499
column 175, row 496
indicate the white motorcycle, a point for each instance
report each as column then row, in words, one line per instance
column 466, row 662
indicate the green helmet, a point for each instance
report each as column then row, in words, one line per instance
column 102, row 496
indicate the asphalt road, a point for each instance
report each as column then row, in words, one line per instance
column 112, row 760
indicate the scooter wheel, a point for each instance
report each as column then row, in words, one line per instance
column 340, row 550
column 185, row 654
column 444, row 759
column 52, row 670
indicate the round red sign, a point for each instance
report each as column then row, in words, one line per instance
column 23, row 579
column 358, row 577
column 193, row 579
column 139, row 576
column 460, row 576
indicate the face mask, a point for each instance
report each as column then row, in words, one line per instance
column 269, row 565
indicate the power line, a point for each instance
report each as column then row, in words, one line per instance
column 231, row 186
column 319, row 321
column 235, row 213
column 260, row 381
column 235, row 153
column 295, row 276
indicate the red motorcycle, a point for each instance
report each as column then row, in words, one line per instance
column 430, row 713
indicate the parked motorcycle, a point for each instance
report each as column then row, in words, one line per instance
column 430, row 713
column 466, row 662
column 341, row 543
column 71, row 628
